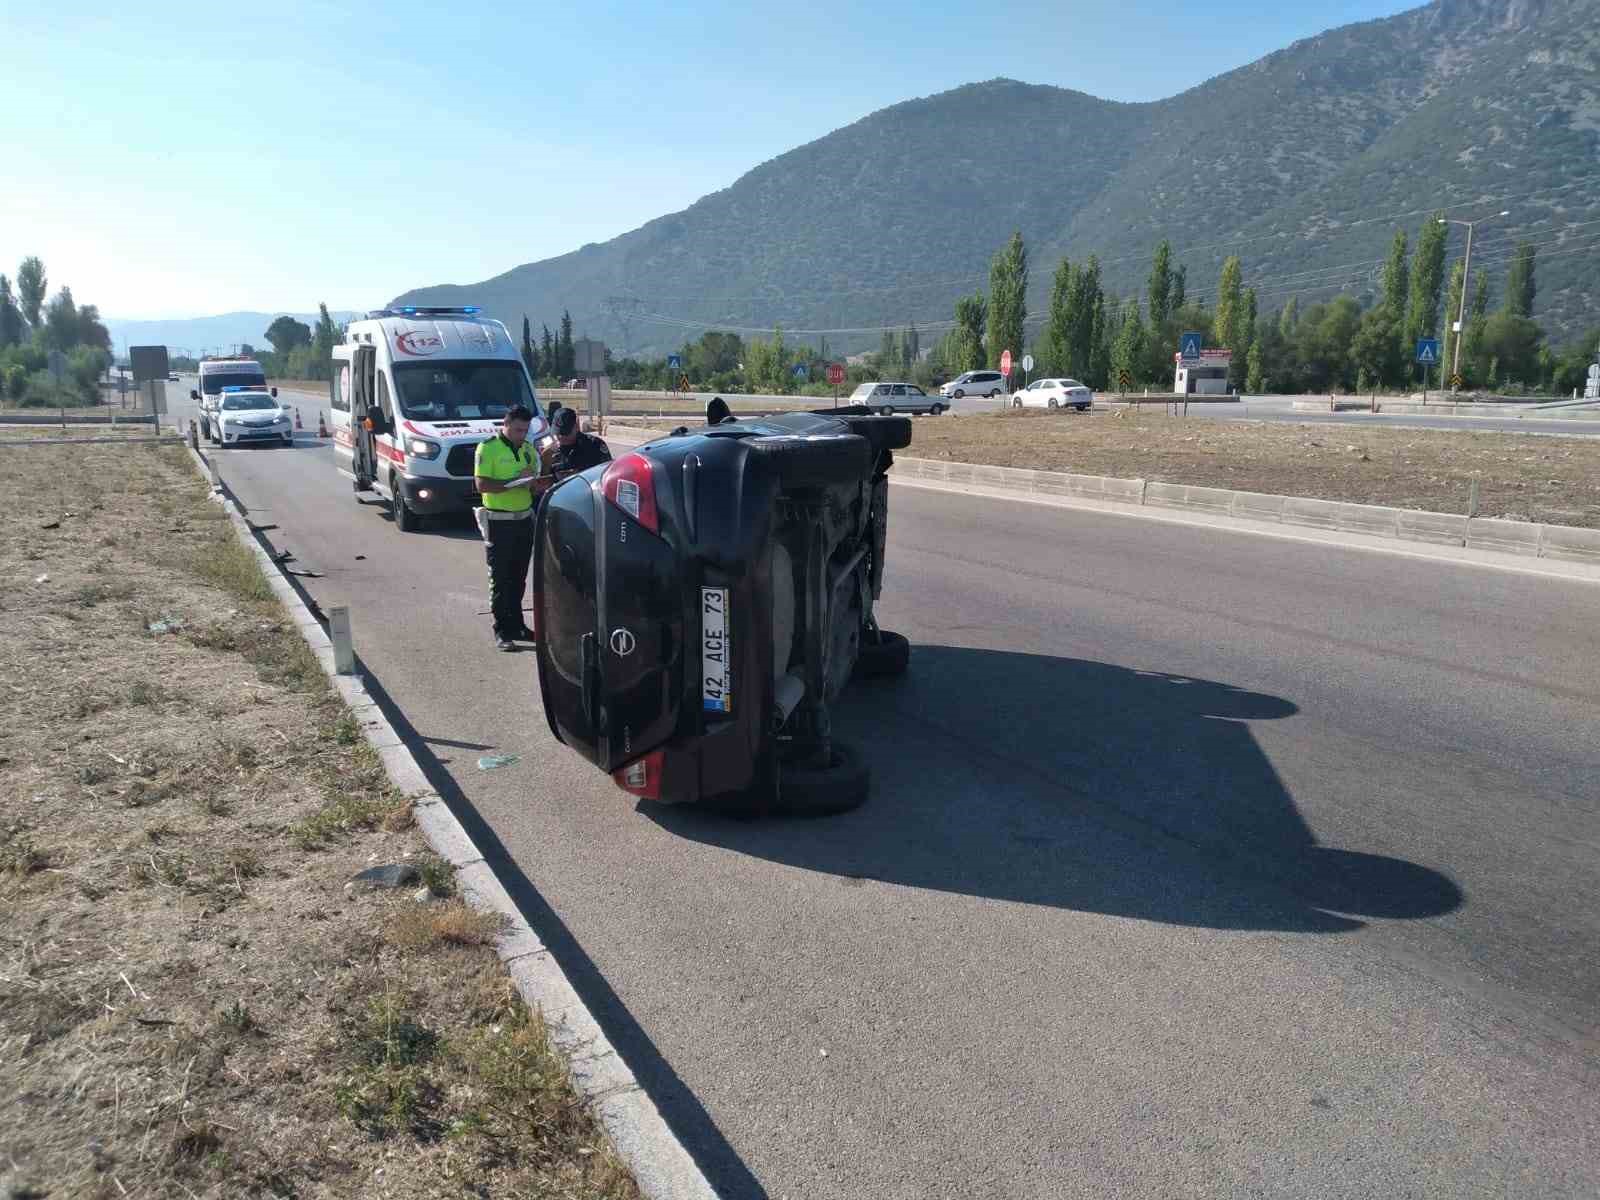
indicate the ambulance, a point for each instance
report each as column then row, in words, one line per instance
column 414, row 391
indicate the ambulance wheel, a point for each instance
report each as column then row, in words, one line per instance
column 405, row 517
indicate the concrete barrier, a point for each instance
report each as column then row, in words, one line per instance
column 1180, row 495
column 1318, row 514
column 1570, row 544
column 1439, row 529
column 1507, row 537
column 1257, row 506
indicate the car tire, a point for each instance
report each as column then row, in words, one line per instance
column 994, row 393
column 958, row 394
column 405, row 517
column 936, row 410
column 1081, row 407
column 1054, row 403
column 886, row 411
column 822, row 791
column 883, row 656
column 1017, row 403
column 882, row 433
column 802, row 462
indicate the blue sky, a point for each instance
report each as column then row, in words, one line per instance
column 200, row 158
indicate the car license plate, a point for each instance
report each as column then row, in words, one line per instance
column 715, row 675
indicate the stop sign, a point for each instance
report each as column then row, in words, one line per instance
column 1005, row 362
column 835, row 374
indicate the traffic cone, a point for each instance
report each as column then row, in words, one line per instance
column 297, row 422
column 322, row 428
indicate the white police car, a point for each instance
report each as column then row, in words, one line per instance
column 250, row 416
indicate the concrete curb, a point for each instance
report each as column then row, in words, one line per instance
column 1563, row 543
column 1477, row 540
column 662, row 1166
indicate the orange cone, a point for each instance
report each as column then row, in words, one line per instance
column 322, row 428
column 297, row 421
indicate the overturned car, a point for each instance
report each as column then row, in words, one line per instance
column 702, row 601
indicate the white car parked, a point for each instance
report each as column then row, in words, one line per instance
column 1054, row 393
column 975, row 383
column 246, row 417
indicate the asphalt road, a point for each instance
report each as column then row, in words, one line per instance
column 1198, row 864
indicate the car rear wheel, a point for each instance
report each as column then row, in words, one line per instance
column 994, row 393
column 882, row 655
column 882, row 433
column 936, row 410
column 815, row 461
column 1081, row 407
column 813, row 791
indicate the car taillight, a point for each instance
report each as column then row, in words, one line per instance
column 642, row 776
column 631, row 486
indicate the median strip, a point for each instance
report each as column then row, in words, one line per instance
column 230, row 962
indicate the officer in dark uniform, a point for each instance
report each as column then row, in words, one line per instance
column 574, row 450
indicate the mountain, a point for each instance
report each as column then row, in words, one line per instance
column 1303, row 163
column 217, row 334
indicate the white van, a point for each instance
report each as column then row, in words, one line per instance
column 414, row 391
column 219, row 373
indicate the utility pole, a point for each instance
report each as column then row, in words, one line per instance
column 1466, row 283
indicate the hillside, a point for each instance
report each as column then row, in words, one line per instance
column 1304, row 163
column 201, row 334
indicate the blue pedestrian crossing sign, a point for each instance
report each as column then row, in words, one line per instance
column 674, row 362
column 1189, row 345
column 800, row 371
column 1428, row 351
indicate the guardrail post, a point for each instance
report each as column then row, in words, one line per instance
column 344, row 654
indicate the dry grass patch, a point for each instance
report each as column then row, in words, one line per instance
column 1519, row 476
column 191, row 1003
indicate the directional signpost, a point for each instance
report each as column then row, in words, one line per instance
column 1427, row 355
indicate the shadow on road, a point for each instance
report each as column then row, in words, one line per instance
column 1081, row 785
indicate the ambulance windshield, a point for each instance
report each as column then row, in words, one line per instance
column 460, row 391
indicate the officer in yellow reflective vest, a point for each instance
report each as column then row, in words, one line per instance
column 506, row 467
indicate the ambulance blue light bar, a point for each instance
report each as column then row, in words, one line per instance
column 415, row 310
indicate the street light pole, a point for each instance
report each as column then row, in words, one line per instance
column 1466, row 278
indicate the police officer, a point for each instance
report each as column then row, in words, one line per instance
column 574, row 450
column 505, row 467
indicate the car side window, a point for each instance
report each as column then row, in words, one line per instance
column 898, row 389
column 913, row 390
column 383, row 397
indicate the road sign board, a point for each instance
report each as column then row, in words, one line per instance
column 1125, row 380
column 1428, row 351
column 683, row 383
column 1455, row 383
column 674, row 362
column 1594, row 370
column 1189, row 345
column 1005, row 362
column 1027, row 362
column 835, row 374
column 800, row 370
column 149, row 362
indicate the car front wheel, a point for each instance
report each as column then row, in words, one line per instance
column 405, row 517
column 994, row 393
column 1017, row 403
column 886, row 411
column 959, row 394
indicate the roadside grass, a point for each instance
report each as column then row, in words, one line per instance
column 192, row 1000
column 1520, row 477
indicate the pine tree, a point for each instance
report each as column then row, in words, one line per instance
column 1008, row 288
column 1254, row 382
column 10, row 316
column 1055, row 339
column 1426, row 282
column 1083, row 299
column 1159, row 287
column 1180, row 278
column 1396, row 276
column 1452, row 307
column 1230, row 306
column 565, row 355
column 1520, row 284
column 1127, row 352
column 1289, row 318
column 530, row 356
column 972, row 315
column 547, row 353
